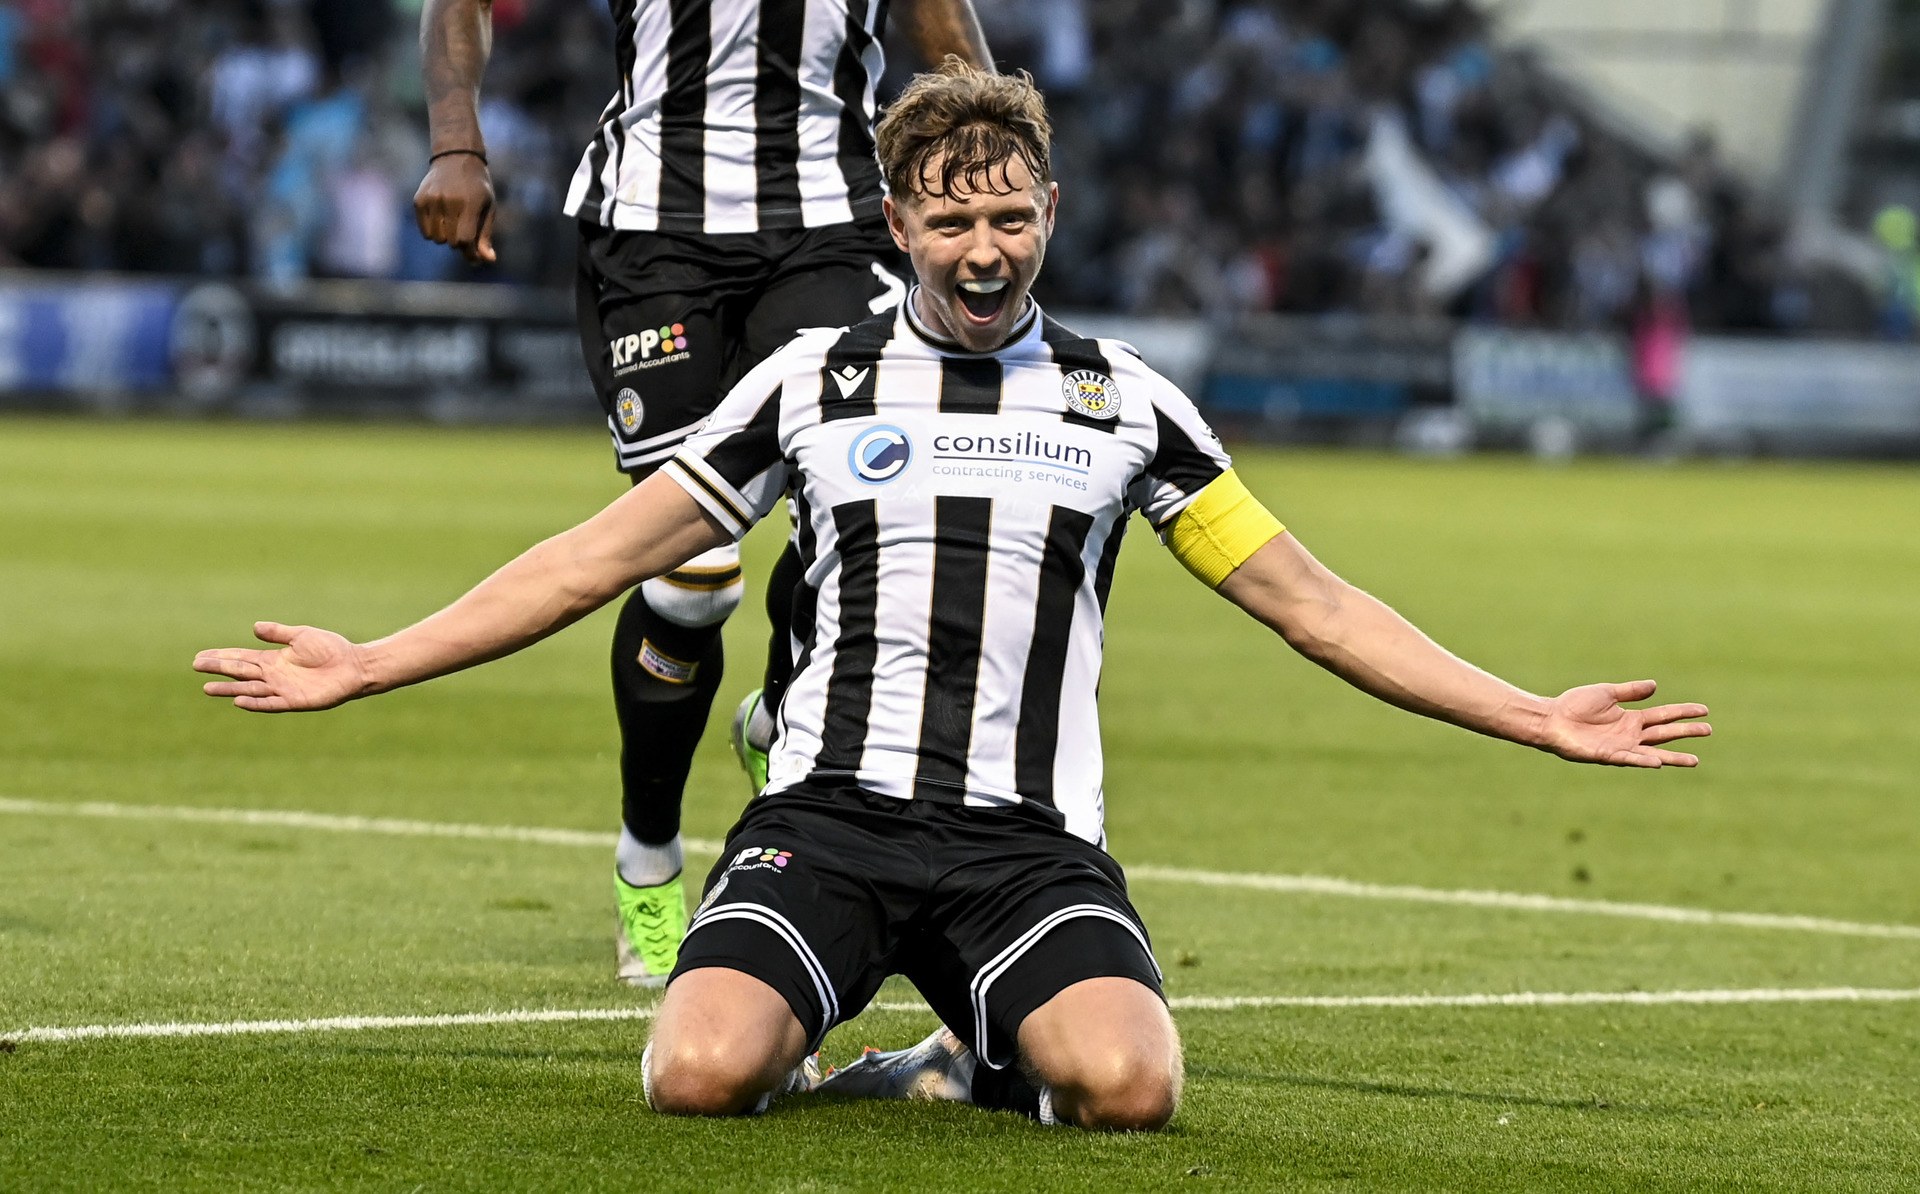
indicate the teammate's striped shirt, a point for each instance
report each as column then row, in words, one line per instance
column 736, row 116
column 958, row 515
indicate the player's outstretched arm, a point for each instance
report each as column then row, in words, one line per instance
column 1362, row 640
column 938, row 28
column 651, row 529
column 454, row 205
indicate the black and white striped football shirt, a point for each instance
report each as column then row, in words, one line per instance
column 736, row 116
column 959, row 515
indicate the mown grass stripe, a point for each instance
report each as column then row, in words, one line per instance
column 1320, row 885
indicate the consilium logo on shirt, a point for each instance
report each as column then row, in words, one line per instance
column 879, row 454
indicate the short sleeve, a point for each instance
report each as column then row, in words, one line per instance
column 734, row 466
column 1187, row 457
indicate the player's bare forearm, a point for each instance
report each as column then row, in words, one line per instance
column 647, row 531
column 456, row 39
column 937, row 28
column 650, row 530
column 1363, row 641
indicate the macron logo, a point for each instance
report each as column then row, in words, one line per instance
column 849, row 379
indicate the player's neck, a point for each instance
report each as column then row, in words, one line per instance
column 924, row 321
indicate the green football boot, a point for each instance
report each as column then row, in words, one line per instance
column 651, row 922
column 753, row 759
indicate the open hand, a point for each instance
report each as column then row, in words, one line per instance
column 454, row 206
column 1591, row 724
column 318, row 670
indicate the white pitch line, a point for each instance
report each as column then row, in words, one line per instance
column 1520, row 901
column 328, row 822
column 1319, row 885
column 1210, row 1003
column 87, row 1032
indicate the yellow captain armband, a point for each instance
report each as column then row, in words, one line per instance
column 1219, row 529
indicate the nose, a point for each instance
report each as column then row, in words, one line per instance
column 983, row 252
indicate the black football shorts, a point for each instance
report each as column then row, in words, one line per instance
column 669, row 321
column 821, row 894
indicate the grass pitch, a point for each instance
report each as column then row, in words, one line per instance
column 1780, row 595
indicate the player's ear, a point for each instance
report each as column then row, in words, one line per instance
column 896, row 221
column 1053, row 204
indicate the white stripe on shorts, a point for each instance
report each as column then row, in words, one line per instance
column 761, row 914
column 984, row 980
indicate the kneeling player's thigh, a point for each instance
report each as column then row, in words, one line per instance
column 1103, row 1034
column 989, row 969
column 789, row 904
column 721, row 1040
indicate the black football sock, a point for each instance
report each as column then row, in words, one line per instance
column 1005, row 1090
column 664, row 680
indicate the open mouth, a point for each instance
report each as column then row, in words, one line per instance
column 983, row 298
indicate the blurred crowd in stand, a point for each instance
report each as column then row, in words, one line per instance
column 1375, row 157
column 275, row 139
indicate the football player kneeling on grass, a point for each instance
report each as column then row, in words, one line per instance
column 962, row 469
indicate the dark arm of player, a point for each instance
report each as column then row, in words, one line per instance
column 1363, row 641
column 454, row 204
column 938, row 28
column 649, row 530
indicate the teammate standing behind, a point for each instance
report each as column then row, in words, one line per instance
column 729, row 197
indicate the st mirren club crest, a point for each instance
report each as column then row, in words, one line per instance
column 1092, row 394
column 627, row 409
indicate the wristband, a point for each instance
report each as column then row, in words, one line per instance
column 479, row 153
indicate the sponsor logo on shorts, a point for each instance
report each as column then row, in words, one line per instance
column 646, row 349
column 880, row 454
column 1091, row 394
column 665, row 667
column 760, row 858
column 628, row 409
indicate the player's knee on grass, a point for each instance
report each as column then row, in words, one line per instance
column 721, row 1043
column 1109, row 1053
column 699, row 1076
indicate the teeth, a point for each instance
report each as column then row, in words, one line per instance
column 987, row 286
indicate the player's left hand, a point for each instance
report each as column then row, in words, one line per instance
column 1591, row 724
column 318, row 670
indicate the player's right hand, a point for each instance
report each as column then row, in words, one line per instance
column 318, row 670
column 454, row 205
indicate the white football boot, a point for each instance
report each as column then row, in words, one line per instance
column 938, row 1068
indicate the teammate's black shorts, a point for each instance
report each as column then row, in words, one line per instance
column 990, row 912
column 669, row 321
